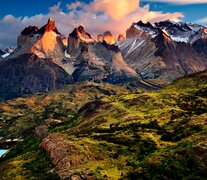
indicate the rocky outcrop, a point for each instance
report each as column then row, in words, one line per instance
column 121, row 37
column 66, row 156
column 41, row 131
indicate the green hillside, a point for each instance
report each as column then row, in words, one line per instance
column 91, row 131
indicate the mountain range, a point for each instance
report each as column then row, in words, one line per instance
column 151, row 55
column 85, row 108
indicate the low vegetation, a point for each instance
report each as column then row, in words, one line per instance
column 113, row 133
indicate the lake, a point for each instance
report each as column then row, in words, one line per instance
column 2, row 151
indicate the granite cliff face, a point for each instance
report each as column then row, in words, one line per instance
column 77, row 37
column 45, row 42
column 97, row 61
column 101, row 62
column 29, row 74
column 37, row 65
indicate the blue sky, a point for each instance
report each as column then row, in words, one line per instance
column 96, row 16
column 192, row 12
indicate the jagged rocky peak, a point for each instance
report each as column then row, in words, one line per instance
column 176, row 31
column 101, row 62
column 168, row 24
column 144, row 30
column 199, row 41
column 100, row 38
column 108, row 37
column 121, row 37
column 78, row 35
column 81, row 34
column 30, row 30
column 146, row 25
column 50, row 26
column 164, row 50
column 45, row 42
column 27, row 35
column 179, row 31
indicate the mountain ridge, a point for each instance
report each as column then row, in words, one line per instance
column 149, row 53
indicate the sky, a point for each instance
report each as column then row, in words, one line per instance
column 97, row 16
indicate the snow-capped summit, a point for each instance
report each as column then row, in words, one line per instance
column 142, row 30
column 179, row 31
column 165, row 50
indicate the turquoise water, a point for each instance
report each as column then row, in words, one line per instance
column 2, row 151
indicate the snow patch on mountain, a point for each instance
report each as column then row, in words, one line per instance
column 177, row 31
column 147, row 30
column 67, row 55
column 180, row 39
column 135, row 44
column 131, row 44
column 5, row 55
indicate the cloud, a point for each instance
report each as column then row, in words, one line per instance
column 75, row 5
column 97, row 17
column 202, row 20
column 179, row 1
column 116, row 9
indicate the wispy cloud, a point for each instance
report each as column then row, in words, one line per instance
column 179, row 1
column 97, row 17
column 202, row 20
column 75, row 5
